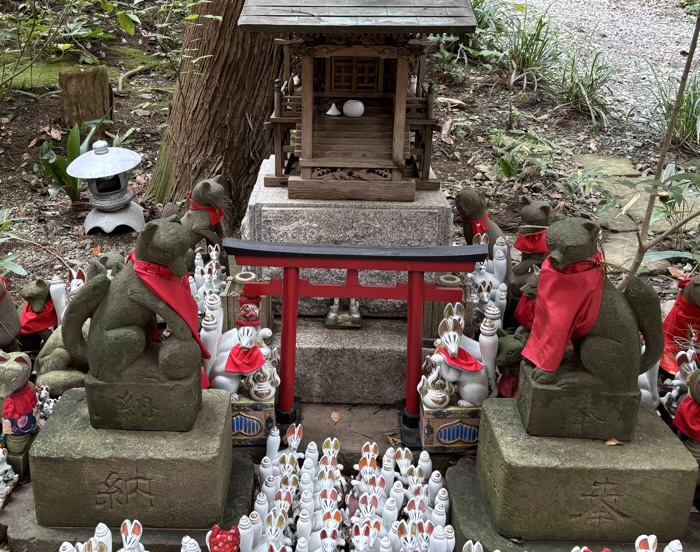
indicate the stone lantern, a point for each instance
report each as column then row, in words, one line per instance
column 106, row 171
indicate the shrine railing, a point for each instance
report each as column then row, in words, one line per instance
column 416, row 261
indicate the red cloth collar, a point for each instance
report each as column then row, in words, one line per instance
column 567, row 308
column 174, row 291
column 525, row 312
column 532, row 243
column 244, row 361
column 683, row 316
column 478, row 226
column 20, row 403
column 206, row 384
column 214, row 214
column 4, row 285
column 687, row 419
column 33, row 322
column 463, row 361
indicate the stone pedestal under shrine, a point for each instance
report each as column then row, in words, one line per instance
column 376, row 354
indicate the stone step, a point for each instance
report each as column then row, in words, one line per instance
column 364, row 366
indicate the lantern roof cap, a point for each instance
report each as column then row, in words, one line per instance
column 103, row 161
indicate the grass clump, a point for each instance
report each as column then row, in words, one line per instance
column 529, row 48
column 686, row 133
column 584, row 87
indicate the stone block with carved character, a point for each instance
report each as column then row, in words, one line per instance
column 82, row 476
column 546, row 488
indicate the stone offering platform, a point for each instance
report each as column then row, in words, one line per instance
column 82, row 476
column 546, row 488
column 273, row 217
column 25, row 534
column 366, row 366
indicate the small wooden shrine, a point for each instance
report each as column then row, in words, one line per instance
column 337, row 51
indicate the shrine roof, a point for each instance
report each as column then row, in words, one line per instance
column 358, row 16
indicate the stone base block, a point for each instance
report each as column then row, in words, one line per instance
column 251, row 421
column 144, row 404
column 25, row 534
column 273, row 217
column 82, row 476
column 472, row 520
column 577, row 413
column 544, row 488
column 18, row 453
column 366, row 366
column 451, row 429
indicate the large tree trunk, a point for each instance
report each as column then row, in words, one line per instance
column 222, row 99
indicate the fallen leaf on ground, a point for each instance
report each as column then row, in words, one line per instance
column 676, row 272
column 612, row 443
column 393, row 441
column 96, row 251
column 629, row 205
column 33, row 143
column 453, row 103
column 81, row 230
column 593, row 146
column 55, row 134
column 336, row 416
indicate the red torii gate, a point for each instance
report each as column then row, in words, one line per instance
column 414, row 260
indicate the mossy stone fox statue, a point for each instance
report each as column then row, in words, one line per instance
column 119, row 349
column 598, row 380
column 610, row 352
column 206, row 206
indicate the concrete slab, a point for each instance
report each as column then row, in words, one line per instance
column 365, row 366
column 356, row 424
column 615, row 222
column 472, row 519
column 273, row 217
column 609, row 166
column 26, row 535
column 620, row 249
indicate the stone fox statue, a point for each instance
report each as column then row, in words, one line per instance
column 576, row 302
column 123, row 312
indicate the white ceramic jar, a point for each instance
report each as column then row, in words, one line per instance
column 353, row 108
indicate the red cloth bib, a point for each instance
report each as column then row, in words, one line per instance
column 214, row 214
column 532, row 243
column 567, row 307
column 525, row 312
column 508, row 385
column 478, row 226
column 687, row 419
column 463, row 361
column 20, row 403
column 174, row 291
column 4, row 285
column 683, row 316
column 33, row 322
column 242, row 361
